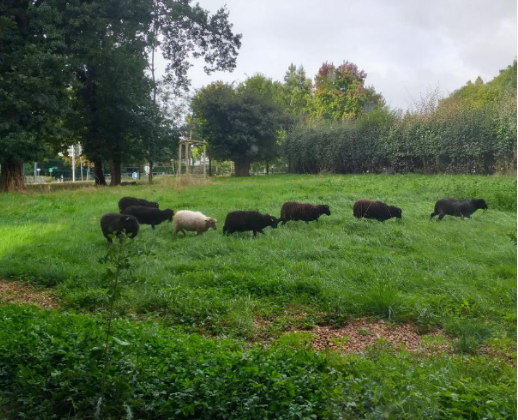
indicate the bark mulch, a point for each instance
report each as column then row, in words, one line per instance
column 18, row 292
column 359, row 335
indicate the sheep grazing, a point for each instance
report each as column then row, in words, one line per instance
column 307, row 212
column 114, row 223
column 458, row 208
column 126, row 202
column 375, row 210
column 149, row 215
column 243, row 221
column 193, row 221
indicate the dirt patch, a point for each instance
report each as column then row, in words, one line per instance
column 360, row 335
column 21, row 293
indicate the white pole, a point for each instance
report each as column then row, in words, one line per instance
column 73, row 164
column 35, row 171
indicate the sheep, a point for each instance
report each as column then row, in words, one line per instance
column 375, row 210
column 114, row 223
column 126, row 202
column 303, row 211
column 242, row 221
column 193, row 221
column 458, row 208
column 149, row 215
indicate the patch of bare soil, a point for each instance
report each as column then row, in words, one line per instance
column 21, row 293
column 358, row 336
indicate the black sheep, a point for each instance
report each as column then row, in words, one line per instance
column 126, row 202
column 114, row 223
column 458, row 208
column 149, row 215
column 375, row 210
column 306, row 212
column 242, row 221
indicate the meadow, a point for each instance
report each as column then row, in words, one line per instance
column 238, row 297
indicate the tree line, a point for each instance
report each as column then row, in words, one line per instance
column 250, row 121
column 337, row 124
column 471, row 131
column 84, row 71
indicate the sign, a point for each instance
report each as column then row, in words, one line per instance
column 134, row 175
column 51, row 169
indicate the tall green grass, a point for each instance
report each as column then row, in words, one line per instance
column 336, row 268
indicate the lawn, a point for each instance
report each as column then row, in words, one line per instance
column 458, row 275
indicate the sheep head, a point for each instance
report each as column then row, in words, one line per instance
column 210, row 222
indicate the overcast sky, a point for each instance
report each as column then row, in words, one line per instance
column 407, row 47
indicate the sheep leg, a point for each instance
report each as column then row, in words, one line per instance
column 255, row 233
column 441, row 216
column 432, row 215
column 261, row 231
column 153, row 227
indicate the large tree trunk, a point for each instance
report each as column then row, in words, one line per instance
column 150, row 176
column 115, row 168
column 11, row 177
column 242, row 167
column 99, row 173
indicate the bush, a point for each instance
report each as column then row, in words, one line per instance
column 51, row 366
column 451, row 138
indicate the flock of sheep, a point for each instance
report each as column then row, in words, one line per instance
column 135, row 212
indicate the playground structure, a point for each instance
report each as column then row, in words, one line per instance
column 188, row 143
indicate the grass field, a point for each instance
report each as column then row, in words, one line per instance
column 459, row 275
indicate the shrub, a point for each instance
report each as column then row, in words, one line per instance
column 451, row 138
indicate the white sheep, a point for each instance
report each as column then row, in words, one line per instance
column 193, row 221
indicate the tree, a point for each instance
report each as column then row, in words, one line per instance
column 91, row 57
column 340, row 93
column 297, row 91
column 33, row 82
column 239, row 124
column 478, row 94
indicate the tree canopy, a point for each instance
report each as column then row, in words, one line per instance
column 78, row 70
column 241, row 124
column 340, row 92
column 34, row 82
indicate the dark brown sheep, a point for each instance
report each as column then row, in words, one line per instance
column 242, row 221
column 113, row 223
column 306, row 212
column 149, row 215
column 126, row 202
column 457, row 208
column 375, row 210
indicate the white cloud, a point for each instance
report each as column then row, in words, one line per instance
column 407, row 47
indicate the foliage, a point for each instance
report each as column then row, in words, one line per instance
column 33, row 78
column 451, row 137
column 340, row 93
column 240, row 124
column 49, row 367
column 88, row 63
column 478, row 94
column 297, row 91
column 118, row 263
